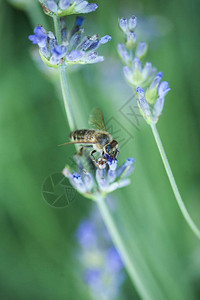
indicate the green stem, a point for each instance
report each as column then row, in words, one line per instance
column 57, row 27
column 173, row 182
column 66, row 98
column 118, row 242
column 63, row 80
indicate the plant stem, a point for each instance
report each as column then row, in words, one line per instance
column 118, row 242
column 66, row 98
column 57, row 27
column 63, row 80
column 173, row 182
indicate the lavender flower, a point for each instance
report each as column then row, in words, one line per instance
column 102, row 267
column 141, row 50
column 127, row 26
column 62, row 8
column 40, row 37
column 100, row 180
column 86, row 235
column 143, row 105
column 136, row 75
column 74, row 49
column 151, row 91
column 124, row 54
column 151, row 103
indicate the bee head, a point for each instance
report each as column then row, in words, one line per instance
column 111, row 149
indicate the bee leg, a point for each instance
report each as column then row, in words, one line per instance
column 92, row 155
column 117, row 154
column 80, row 151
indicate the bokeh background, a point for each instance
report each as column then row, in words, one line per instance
column 37, row 243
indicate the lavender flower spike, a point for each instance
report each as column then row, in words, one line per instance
column 102, row 180
column 127, row 26
column 63, row 8
column 74, row 49
column 151, row 91
column 101, row 264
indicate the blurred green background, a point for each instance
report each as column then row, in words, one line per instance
column 37, row 241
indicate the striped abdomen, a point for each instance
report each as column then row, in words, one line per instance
column 83, row 136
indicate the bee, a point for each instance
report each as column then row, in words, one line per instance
column 98, row 138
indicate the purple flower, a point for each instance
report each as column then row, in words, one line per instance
column 92, row 43
column 113, row 260
column 137, row 64
column 127, row 26
column 156, row 80
column 148, row 71
column 123, row 23
column 74, row 55
column 40, row 36
column 143, row 105
column 132, row 22
column 92, row 278
column 87, row 8
column 78, row 183
column 151, row 91
column 79, row 21
column 163, row 89
column 86, row 234
column 101, row 179
column 91, row 58
column 122, row 170
column 88, row 180
column 74, row 49
column 100, row 261
column 131, row 37
column 86, row 43
column 106, row 179
column 64, row 4
column 52, row 6
column 141, row 50
column 123, row 52
column 157, row 108
column 68, row 7
column 59, row 51
column 105, row 39
column 152, row 112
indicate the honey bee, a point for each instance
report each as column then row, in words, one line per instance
column 99, row 139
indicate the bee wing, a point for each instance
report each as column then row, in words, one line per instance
column 96, row 119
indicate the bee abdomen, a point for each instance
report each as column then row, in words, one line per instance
column 82, row 135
